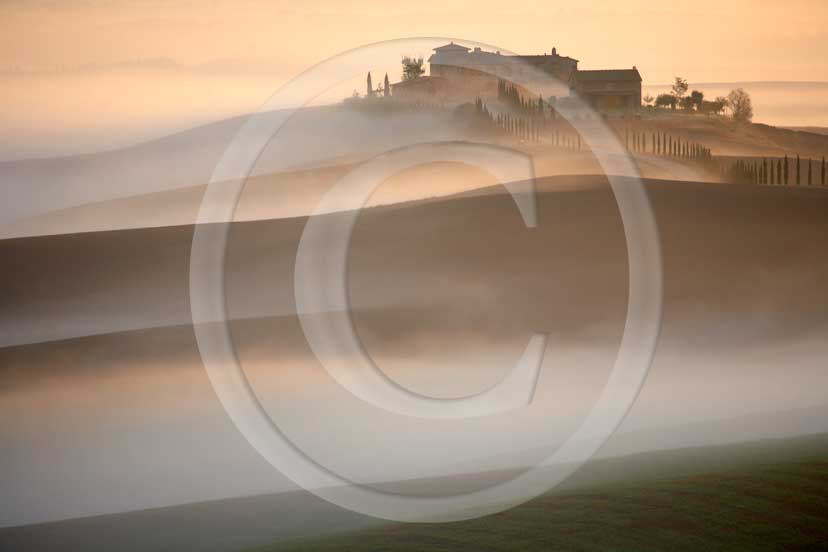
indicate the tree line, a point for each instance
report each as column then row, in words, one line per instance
column 737, row 101
column 776, row 172
column 530, row 124
column 661, row 143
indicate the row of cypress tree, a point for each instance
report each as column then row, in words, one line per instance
column 509, row 95
column 777, row 172
column 660, row 143
column 531, row 126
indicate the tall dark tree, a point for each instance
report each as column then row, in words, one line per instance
column 810, row 170
column 386, row 87
column 779, row 172
column 785, row 170
column 369, row 89
column 798, row 171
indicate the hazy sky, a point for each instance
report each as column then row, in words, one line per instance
column 704, row 40
column 107, row 67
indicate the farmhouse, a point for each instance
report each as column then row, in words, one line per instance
column 459, row 73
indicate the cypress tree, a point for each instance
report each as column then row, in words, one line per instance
column 779, row 171
column 386, row 87
column 798, row 171
column 764, row 171
column 369, row 89
column 785, row 170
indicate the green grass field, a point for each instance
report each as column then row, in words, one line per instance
column 781, row 506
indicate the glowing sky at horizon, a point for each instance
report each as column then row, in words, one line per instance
column 88, row 75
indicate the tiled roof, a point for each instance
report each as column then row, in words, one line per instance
column 608, row 75
column 542, row 58
column 451, row 47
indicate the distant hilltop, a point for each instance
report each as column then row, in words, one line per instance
column 458, row 72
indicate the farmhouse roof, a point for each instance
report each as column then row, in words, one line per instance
column 615, row 75
column 451, row 47
column 483, row 57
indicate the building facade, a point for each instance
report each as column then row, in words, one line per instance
column 610, row 89
column 479, row 71
column 458, row 73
